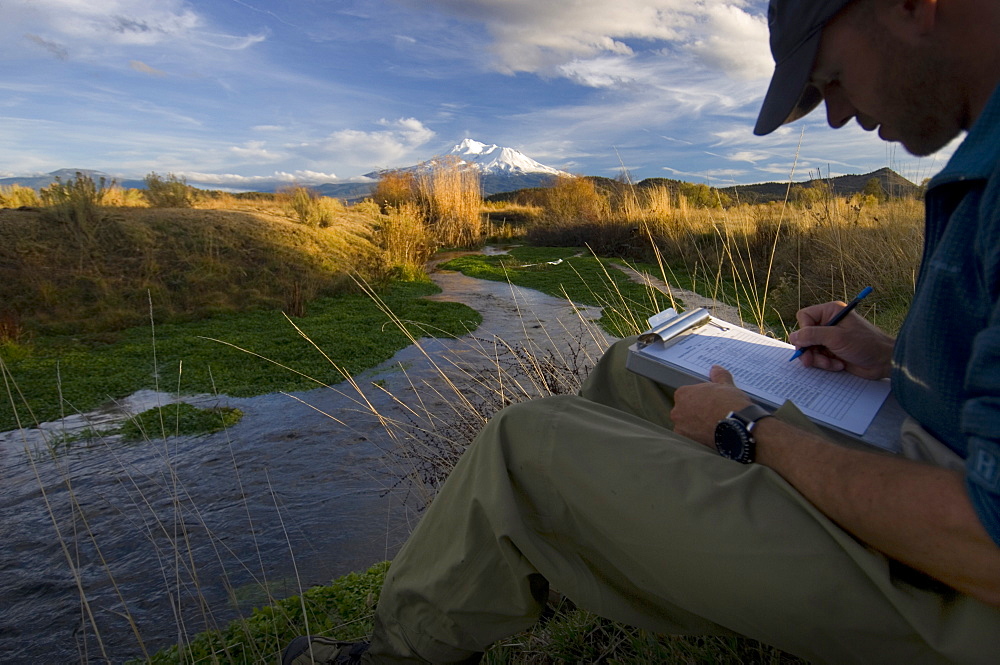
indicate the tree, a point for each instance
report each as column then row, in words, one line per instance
column 874, row 188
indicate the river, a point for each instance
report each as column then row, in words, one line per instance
column 147, row 542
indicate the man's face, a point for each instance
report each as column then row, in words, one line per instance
column 864, row 72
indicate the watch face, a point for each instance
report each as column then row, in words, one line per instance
column 733, row 441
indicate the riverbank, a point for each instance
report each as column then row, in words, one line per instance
column 187, row 533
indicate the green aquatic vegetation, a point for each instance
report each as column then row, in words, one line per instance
column 179, row 419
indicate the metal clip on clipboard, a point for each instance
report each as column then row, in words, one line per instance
column 676, row 327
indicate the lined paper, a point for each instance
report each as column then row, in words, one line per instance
column 760, row 367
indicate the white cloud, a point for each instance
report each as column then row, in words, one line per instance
column 303, row 177
column 255, row 151
column 752, row 156
column 602, row 72
column 554, row 37
column 734, row 41
column 381, row 147
column 89, row 30
column 724, row 174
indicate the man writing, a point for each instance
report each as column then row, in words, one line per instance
column 617, row 496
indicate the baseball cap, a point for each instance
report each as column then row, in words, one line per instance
column 796, row 26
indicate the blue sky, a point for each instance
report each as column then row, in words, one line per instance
column 311, row 91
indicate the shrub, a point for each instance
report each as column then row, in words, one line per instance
column 702, row 196
column 406, row 242
column 167, row 192
column 394, row 189
column 76, row 203
column 574, row 213
column 122, row 198
column 575, row 200
column 874, row 189
column 311, row 209
column 17, row 196
column 82, row 191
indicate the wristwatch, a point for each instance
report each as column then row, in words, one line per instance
column 734, row 434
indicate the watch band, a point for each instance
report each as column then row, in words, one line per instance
column 749, row 415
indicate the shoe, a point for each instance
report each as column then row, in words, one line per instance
column 308, row 650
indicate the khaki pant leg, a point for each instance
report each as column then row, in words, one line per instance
column 642, row 526
column 612, row 384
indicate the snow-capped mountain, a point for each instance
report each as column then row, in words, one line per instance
column 494, row 160
column 500, row 169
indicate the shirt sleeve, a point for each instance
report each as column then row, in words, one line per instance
column 980, row 415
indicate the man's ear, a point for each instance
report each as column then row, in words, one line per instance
column 910, row 20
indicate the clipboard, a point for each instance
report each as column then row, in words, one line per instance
column 679, row 350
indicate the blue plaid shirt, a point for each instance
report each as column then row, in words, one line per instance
column 947, row 359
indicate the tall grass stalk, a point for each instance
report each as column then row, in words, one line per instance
column 451, row 201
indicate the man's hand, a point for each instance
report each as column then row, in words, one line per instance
column 698, row 408
column 853, row 345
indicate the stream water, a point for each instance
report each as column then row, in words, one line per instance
column 112, row 545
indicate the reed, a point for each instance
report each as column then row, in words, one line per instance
column 449, row 197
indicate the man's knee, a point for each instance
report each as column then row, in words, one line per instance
column 618, row 352
column 527, row 419
column 518, row 431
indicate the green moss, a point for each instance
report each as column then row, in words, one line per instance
column 343, row 610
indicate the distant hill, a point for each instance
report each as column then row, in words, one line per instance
column 37, row 182
column 892, row 183
column 349, row 191
column 505, row 172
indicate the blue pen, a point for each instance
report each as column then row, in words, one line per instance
column 838, row 317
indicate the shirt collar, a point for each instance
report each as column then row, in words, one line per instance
column 979, row 153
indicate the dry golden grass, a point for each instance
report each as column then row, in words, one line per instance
column 15, row 196
column 192, row 262
column 450, row 199
column 771, row 259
